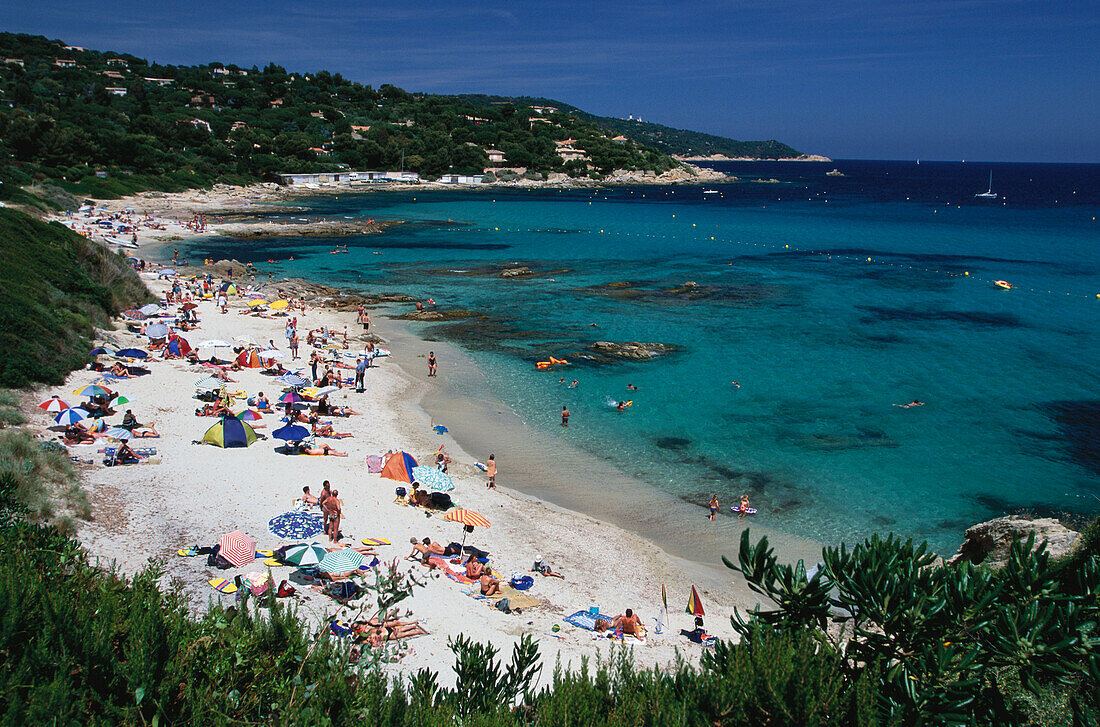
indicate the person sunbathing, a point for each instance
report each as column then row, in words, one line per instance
column 76, row 434
column 323, row 449
column 262, row 404
column 421, row 553
column 324, row 408
column 544, row 569
column 121, row 371
column 489, row 586
column 326, row 430
column 628, row 623
column 149, row 432
column 125, row 455
column 474, row 569
column 308, row 498
column 210, row 410
column 129, row 421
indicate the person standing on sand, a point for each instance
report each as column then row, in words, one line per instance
column 564, row 416
column 431, row 363
column 293, row 345
column 713, row 506
column 360, row 373
column 332, row 514
column 366, row 321
column 314, row 360
column 491, row 470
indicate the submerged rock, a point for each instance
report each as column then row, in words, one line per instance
column 516, row 272
column 633, row 351
column 439, row 315
column 989, row 543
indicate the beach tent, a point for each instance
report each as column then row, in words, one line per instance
column 230, row 432
column 399, row 467
column 248, row 359
column 178, row 346
column 229, row 288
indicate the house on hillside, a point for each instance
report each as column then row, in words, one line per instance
column 200, row 124
column 477, row 120
column 320, row 151
column 73, row 47
column 542, row 110
column 219, row 71
column 276, row 103
column 117, row 62
column 202, row 102
column 113, row 74
column 620, row 139
column 568, row 154
column 65, row 63
column 157, row 81
column 14, row 61
column 317, row 114
column 565, row 143
column 116, row 90
column 495, row 155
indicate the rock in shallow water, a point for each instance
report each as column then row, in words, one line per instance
column 633, row 350
column 989, row 543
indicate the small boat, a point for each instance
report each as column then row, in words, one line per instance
column 988, row 194
column 1003, row 284
column 834, row 173
column 710, row 191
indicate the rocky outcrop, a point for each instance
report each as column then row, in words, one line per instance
column 519, row 272
column 439, row 315
column 320, row 228
column 989, row 543
column 632, row 351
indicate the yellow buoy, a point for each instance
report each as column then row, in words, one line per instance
column 967, row 273
column 868, row 259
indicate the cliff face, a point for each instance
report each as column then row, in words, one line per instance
column 989, row 543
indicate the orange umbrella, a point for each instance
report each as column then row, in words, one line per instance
column 467, row 517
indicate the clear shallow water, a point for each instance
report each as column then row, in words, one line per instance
column 822, row 342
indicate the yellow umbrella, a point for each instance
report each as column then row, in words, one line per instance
column 467, row 517
column 279, row 305
column 256, row 302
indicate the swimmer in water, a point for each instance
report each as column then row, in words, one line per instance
column 574, row 384
column 736, row 385
column 631, row 387
column 561, row 380
column 621, row 406
column 914, row 402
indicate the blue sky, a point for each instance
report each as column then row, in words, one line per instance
column 934, row 79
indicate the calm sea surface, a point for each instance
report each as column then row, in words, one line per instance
column 829, row 300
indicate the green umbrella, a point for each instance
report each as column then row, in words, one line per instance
column 340, row 561
column 303, row 554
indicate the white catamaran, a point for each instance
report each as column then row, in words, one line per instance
column 989, row 194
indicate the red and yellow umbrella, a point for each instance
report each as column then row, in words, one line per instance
column 467, row 517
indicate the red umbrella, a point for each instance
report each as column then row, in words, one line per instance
column 237, row 548
column 53, row 404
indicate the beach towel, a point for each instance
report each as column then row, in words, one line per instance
column 140, row 451
column 586, row 619
column 701, row 639
column 443, row 564
column 516, row 600
column 374, row 463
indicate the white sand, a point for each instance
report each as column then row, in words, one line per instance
column 193, row 494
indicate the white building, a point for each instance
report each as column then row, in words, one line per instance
column 450, row 178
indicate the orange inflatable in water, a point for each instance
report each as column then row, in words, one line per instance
column 552, row 362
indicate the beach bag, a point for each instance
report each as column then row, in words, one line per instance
column 343, row 590
column 504, row 605
column 441, row 500
column 212, row 555
column 522, row 583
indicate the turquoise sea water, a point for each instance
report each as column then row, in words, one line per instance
column 822, row 341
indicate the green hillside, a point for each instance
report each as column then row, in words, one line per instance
column 99, row 122
column 663, row 138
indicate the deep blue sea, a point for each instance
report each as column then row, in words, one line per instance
column 829, row 300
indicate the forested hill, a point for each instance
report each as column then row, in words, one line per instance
column 681, row 142
column 94, row 121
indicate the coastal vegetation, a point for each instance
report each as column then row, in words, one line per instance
column 56, row 287
column 108, row 124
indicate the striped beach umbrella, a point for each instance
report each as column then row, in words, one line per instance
column 119, row 433
column 305, row 555
column 70, row 416
column 431, row 478
column 695, row 605
column 118, row 400
column 53, row 404
column 467, row 517
column 292, row 380
column 255, row 302
column 209, row 383
column 250, row 415
column 156, row 330
column 93, row 390
column 296, row 525
column 340, row 561
column 237, row 548
column 151, row 309
column 290, row 397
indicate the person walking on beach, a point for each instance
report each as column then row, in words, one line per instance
column 314, row 360
column 332, row 514
column 366, row 321
column 713, row 506
column 491, row 470
column 431, row 363
column 360, row 373
column 564, row 416
column 294, row 345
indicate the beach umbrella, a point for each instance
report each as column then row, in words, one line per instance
column 99, row 425
column 695, row 606
column 290, row 397
column 99, row 350
column 132, row 353
column 296, row 525
column 340, row 561
column 237, row 548
column 291, row 433
column 93, row 390
column 133, row 314
column 230, row 432
column 325, row 391
column 70, row 416
column 53, row 404
column 255, row 302
column 151, row 309
column 250, row 415
column 279, row 305
column 215, row 343
column 229, row 288
column 304, row 555
column 247, row 340
column 292, row 380
column 467, row 517
column 189, row 306
column 209, row 383
column 271, row 354
column 119, row 400
column 156, row 330
column 167, row 271
column 399, row 466
column 119, row 433
column 432, row 479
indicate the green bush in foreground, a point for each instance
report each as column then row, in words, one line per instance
column 55, row 287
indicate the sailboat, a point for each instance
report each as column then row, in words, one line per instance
column 989, row 194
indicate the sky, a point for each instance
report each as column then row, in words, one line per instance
column 982, row 80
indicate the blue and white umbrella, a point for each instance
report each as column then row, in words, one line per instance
column 209, row 383
column 71, row 416
column 99, row 350
column 166, row 272
column 340, row 561
column 291, row 433
column 119, row 433
column 296, row 525
column 432, row 479
column 151, row 309
column 292, row 380
column 156, row 330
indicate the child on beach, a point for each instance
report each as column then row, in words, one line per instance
column 743, row 509
column 713, row 506
column 491, row 470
